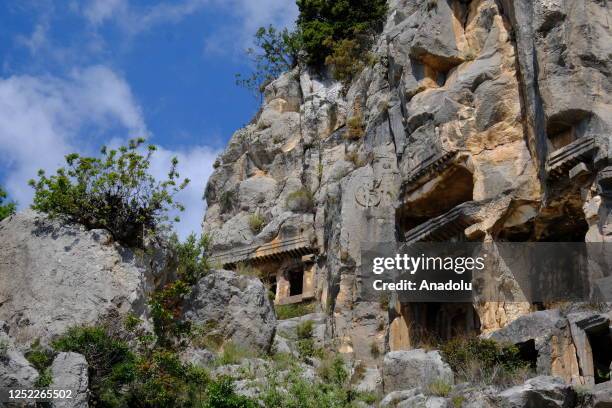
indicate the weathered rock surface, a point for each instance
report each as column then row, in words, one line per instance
column 287, row 328
column 197, row 356
column 414, row 368
column 53, row 276
column 370, row 381
column 69, row 372
column 540, row 391
column 232, row 307
column 412, row 398
column 15, row 370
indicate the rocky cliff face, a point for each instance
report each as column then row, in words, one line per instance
column 478, row 120
column 54, row 276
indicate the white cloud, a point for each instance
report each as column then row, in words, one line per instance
column 251, row 15
column 137, row 19
column 43, row 118
column 98, row 11
column 38, row 38
column 195, row 164
column 244, row 17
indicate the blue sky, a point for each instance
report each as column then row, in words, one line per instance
column 75, row 75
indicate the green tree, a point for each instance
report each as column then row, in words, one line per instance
column 323, row 23
column 8, row 208
column 275, row 52
column 115, row 192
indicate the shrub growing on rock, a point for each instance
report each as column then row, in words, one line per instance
column 483, row 360
column 300, row 200
column 256, row 223
column 115, row 192
column 146, row 377
column 8, row 208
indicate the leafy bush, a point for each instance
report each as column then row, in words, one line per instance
column 6, row 209
column 220, row 394
column 256, row 222
column 166, row 303
column 114, row 192
column 484, row 360
column 294, row 310
column 301, row 200
column 276, row 52
column 192, row 257
column 166, row 308
column 153, row 377
column 162, row 380
column 111, row 363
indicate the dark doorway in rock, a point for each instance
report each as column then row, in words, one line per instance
column 431, row 323
column 296, row 281
column 529, row 353
column 601, row 347
column 566, row 127
column 436, row 197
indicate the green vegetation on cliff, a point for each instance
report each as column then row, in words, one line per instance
column 114, row 191
column 8, row 208
column 336, row 34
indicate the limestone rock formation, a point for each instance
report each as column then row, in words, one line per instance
column 53, row 276
column 232, row 307
column 538, row 392
column 412, row 398
column 414, row 368
column 483, row 120
column 69, row 372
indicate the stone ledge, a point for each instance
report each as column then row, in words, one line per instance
column 435, row 163
column 277, row 249
column 444, row 226
column 562, row 160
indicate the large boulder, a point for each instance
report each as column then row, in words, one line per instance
column 601, row 395
column 414, row 368
column 548, row 332
column 54, row 275
column 234, row 308
column 541, row 392
column 69, row 372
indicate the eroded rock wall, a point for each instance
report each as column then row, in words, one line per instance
column 466, row 107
